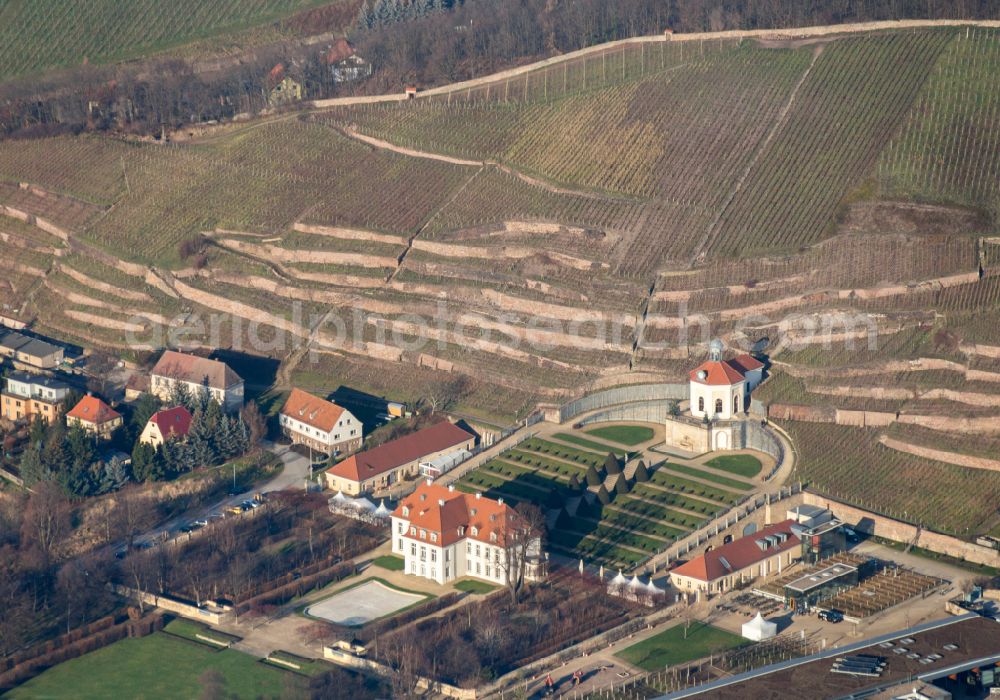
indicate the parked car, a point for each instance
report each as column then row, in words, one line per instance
column 833, row 616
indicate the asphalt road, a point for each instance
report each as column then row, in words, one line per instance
column 293, row 475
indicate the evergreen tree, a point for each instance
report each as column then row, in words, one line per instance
column 143, row 458
column 180, row 395
column 593, row 478
column 114, row 475
column 611, row 464
column 142, row 411
column 622, row 486
column 641, row 473
column 574, row 483
column 36, row 436
column 54, row 454
column 199, row 448
column 32, row 467
column 603, row 496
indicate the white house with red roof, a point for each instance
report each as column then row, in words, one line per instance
column 721, row 388
column 168, row 424
column 719, row 396
column 443, row 534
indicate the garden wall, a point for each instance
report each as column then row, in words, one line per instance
column 881, row 526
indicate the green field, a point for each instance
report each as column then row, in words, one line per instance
column 37, row 35
column 741, row 465
column 630, row 435
column 157, row 666
column 671, row 647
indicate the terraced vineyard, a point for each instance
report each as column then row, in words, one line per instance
column 638, row 520
column 552, row 235
column 838, row 461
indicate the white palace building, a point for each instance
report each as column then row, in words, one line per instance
column 443, row 534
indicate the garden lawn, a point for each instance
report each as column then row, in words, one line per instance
column 741, row 465
column 157, row 666
column 390, row 562
column 473, row 586
column 670, row 648
column 630, row 435
column 590, row 444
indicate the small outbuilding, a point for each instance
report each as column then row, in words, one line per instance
column 759, row 629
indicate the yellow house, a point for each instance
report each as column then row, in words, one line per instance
column 286, row 91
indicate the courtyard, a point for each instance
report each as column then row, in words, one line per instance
column 358, row 605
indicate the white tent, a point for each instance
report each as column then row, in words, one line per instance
column 340, row 497
column 382, row 510
column 363, row 503
column 617, row 583
column 653, row 588
column 635, row 584
column 759, row 629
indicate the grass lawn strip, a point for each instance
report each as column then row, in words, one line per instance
column 670, row 647
column 157, row 666
column 681, row 503
column 475, row 587
column 686, row 486
column 740, row 465
column 579, row 441
column 707, row 477
column 202, row 634
column 630, row 435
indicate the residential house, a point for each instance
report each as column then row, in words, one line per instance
column 26, row 351
column 169, row 424
column 345, row 64
column 770, row 550
column 385, row 465
column 443, row 534
column 319, row 424
column 136, row 386
column 199, row 375
column 95, row 417
column 25, row 396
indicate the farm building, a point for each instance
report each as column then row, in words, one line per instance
column 385, row 465
column 197, row 375
column 94, row 416
column 443, row 534
column 319, row 424
column 169, row 424
column 765, row 552
column 27, row 395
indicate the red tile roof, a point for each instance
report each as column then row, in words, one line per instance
column 91, row 409
column 312, row 410
column 716, row 373
column 739, row 554
column 404, row 450
column 746, row 363
column 172, row 422
column 197, row 370
column 441, row 510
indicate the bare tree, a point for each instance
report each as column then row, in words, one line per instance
column 46, row 520
column 522, row 536
column 446, row 394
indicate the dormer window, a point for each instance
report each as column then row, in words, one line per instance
column 406, row 512
column 475, row 531
column 461, row 531
column 413, row 531
column 493, row 537
column 434, row 537
column 423, row 534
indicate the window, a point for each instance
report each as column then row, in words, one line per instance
column 447, row 557
column 423, row 534
column 402, row 528
column 718, row 405
column 477, row 549
column 423, row 554
column 434, row 537
column 413, row 531
column 434, row 556
column 487, row 570
column 413, row 549
column 478, row 568
column 736, row 404
column 447, row 572
column 701, row 403
column 400, row 544
column 468, row 547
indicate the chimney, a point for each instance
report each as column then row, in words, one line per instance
column 429, row 481
column 451, row 488
column 500, row 501
column 478, row 496
column 440, row 501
